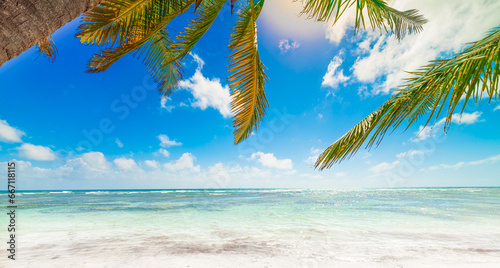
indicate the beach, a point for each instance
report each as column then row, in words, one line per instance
column 431, row 227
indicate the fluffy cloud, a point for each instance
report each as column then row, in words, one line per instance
column 9, row 134
column 311, row 160
column 152, row 163
column 207, row 92
column 410, row 153
column 497, row 108
column 185, row 162
column 285, row 45
column 125, row 163
column 163, row 104
column 166, row 142
column 92, row 161
column 268, row 160
column 384, row 59
column 430, row 131
column 333, row 77
column 466, row 118
column 93, row 170
column 164, row 152
column 36, row 152
column 385, row 166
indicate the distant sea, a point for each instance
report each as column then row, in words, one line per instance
column 414, row 227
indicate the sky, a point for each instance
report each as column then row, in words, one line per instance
column 68, row 129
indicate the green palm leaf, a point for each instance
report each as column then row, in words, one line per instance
column 380, row 15
column 247, row 79
column 107, row 57
column 196, row 28
column 157, row 59
column 116, row 21
column 468, row 75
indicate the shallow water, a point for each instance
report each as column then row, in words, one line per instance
column 258, row 227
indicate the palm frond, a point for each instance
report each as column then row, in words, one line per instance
column 380, row 15
column 157, row 56
column 443, row 83
column 247, row 78
column 196, row 28
column 139, row 37
column 47, row 47
column 117, row 21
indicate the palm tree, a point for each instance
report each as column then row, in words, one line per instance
column 467, row 76
column 141, row 27
column 25, row 23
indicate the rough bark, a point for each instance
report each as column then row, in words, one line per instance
column 25, row 22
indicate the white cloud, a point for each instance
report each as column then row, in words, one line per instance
column 119, row 143
column 207, row 92
column 92, row 161
column 430, row 131
column 410, row 153
column 466, row 118
column 333, row 77
column 164, row 152
column 125, row 163
column 92, row 170
column 36, row 152
column 268, row 160
column 165, row 141
column 385, row 166
column 9, row 134
column 185, row 162
column 445, row 166
column 311, row 160
column 285, row 45
column 488, row 160
column 152, row 163
column 384, row 59
column 163, row 104
column 424, row 133
column 335, row 33
column 320, row 116
column 497, row 108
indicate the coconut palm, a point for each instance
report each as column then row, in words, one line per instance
column 443, row 83
column 141, row 27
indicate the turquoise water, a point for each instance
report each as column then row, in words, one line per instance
column 432, row 225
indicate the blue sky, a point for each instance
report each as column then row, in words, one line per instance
column 72, row 130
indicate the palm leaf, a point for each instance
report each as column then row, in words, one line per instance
column 141, row 35
column 116, row 21
column 196, row 28
column 380, row 15
column 47, row 47
column 443, row 83
column 247, row 78
column 157, row 59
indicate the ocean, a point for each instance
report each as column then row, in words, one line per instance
column 414, row 227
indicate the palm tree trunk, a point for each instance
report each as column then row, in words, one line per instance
column 25, row 22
